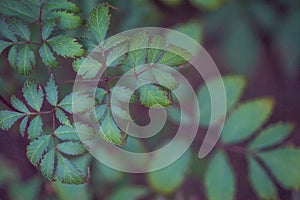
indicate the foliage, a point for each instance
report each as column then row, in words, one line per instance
column 43, row 114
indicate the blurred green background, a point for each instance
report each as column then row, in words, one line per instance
column 259, row 39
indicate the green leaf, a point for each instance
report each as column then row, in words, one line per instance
column 67, row 172
column 47, row 56
column 37, row 148
column 168, row 179
column 72, row 192
column 192, row 28
column 71, row 148
column 114, row 41
column 35, row 127
column 8, row 118
column 234, row 86
column 284, row 164
column 219, row 178
column 138, row 45
column 246, row 119
column 13, row 56
column 20, row 28
column 165, row 79
column 129, row 192
column 109, row 130
column 156, row 48
column 66, row 46
column 152, row 96
column 48, row 28
column 82, row 101
column 100, row 94
column 260, row 181
column 4, row 45
column 23, row 125
column 67, row 20
column 6, row 32
column 122, row 94
column 66, row 133
column 98, row 22
column 87, row 67
column 271, row 135
column 17, row 8
column 51, row 91
column 175, row 56
column 62, row 118
column 61, row 5
column 26, row 60
column 47, row 164
column 19, row 105
column 33, row 95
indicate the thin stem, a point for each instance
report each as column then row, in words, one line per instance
column 41, row 112
column 53, row 129
column 27, row 42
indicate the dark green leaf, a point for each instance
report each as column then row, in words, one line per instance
column 284, row 164
column 4, row 45
column 47, row 56
column 17, row 8
column 260, row 181
column 47, row 164
column 246, row 119
column 109, row 130
column 13, row 57
column 67, row 20
column 26, row 60
column 47, row 29
column 71, row 148
column 8, row 118
column 19, row 105
column 129, row 192
column 219, row 178
column 98, row 22
column 67, row 133
column 35, row 127
column 33, row 95
column 82, row 101
column 20, row 28
column 168, row 179
column 272, row 135
column 51, row 92
column 234, row 86
column 66, row 46
column 37, row 148
column 61, row 5
column 152, row 96
column 67, row 172
column 62, row 118
column 23, row 125
column 6, row 32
